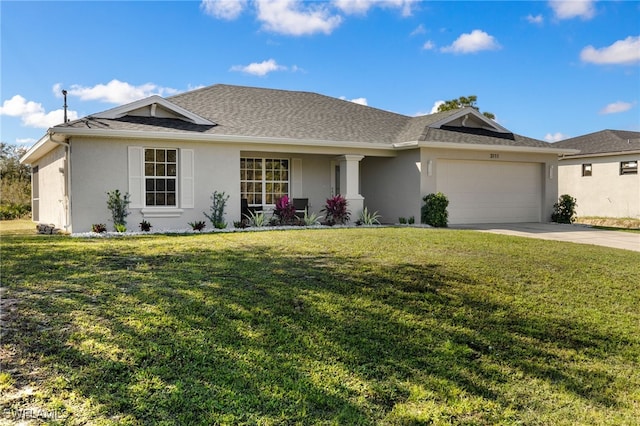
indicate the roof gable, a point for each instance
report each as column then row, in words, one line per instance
column 155, row 107
column 469, row 117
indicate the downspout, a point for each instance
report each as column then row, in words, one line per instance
column 67, row 159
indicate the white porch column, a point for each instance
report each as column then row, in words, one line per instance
column 350, row 183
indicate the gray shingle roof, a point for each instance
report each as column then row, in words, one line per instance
column 604, row 141
column 259, row 112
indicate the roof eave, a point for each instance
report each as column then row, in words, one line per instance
column 44, row 145
column 489, row 147
column 599, row 154
column 208, row 137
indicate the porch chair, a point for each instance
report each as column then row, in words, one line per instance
column 300, row 204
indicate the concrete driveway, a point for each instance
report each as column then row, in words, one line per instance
column 581, row 234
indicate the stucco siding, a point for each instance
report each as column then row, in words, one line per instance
column 316, row 180
column 391, row 186
column 216, row 168
column 605, row 193
column 432, row 159
column 52, row 200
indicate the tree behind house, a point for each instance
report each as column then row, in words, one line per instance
column 463, row 102
column 15, row 183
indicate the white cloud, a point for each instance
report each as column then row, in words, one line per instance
column 405, row 5
column 300, row 17
column 260, row 68
column 428, row 45
column 26, row 141
column 434, row 109
column 223, row 9
column 567, row 9
column 555, row 137
column 117, row 92
column 354, row 7
column 625, row 51
column 538, row 19
column 19, row 106
column 360, row 101
column 435, row 106
column 616, row 107
column 295, row 18
column 420, row 29
column 33, row 114
column 191, row 87
column 473, row 42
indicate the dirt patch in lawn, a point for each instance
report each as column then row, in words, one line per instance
column 612, row 222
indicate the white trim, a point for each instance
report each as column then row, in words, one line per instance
column 152, row 212
column 257, row 140
column 152, row 101
column 186, row 175
column 208, row 137
column 45, row 141
column 599, row 154
column 490, row 124
column 135, row 169
column 481, row 147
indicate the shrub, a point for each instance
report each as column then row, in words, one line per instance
column 402, row 220
column 118, row 204
column 256, row 219
column 121, row 227
column 434, row 211
column 310, row 219
column 411, row 220
column 99, row 228
column 564, row 211
column 285, row 211
column 336, row 210
column 240, row 224
column 218, row 204
column 145, row 226
column 12, row 211
column 198, row 225
column 367, row 218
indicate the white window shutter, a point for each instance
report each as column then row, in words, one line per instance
column 187, row 187
column 136, row 177
column 296, row 178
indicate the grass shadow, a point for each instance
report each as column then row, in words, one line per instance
column 237, row 331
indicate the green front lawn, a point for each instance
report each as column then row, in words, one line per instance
column 336, row 326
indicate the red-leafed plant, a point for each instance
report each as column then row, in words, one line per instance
column 336, row 211
column 285, row 211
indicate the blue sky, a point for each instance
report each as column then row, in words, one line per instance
column 546, row 69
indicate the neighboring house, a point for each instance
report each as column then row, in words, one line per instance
column 603, row 176
column 260, row 144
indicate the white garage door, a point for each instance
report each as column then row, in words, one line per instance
column 491, row 192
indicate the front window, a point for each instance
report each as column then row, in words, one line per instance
column 629, row 168
column 264, row 180
column 586, row 170
column 160, row 173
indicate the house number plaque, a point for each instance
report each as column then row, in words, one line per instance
column 494, row 155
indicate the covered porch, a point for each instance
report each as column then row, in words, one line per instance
column 308, row 180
